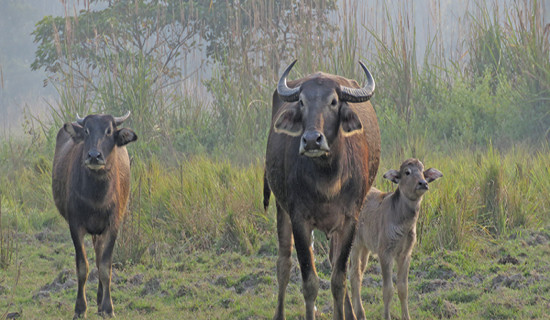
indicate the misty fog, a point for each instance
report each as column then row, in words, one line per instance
column 23, row 89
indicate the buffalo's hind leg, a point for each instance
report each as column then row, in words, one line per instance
column 104, row 245
column 284, row 262
column 77, row 234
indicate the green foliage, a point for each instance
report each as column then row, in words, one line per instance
column 515, row 50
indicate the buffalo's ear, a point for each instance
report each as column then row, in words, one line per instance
column 75, row 131
column 432, row 174
column 289, row 122
column 124, row 136
column 392, row 175
column 349, row 121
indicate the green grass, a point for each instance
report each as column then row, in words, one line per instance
column 207, row 284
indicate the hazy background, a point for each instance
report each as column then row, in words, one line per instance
column 23, row 89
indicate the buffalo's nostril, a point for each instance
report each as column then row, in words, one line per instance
column 319, row 139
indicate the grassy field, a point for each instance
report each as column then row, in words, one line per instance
column 505, row 279
column 197, row 245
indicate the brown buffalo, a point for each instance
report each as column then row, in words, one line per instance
column 91, row 184
column 322, row 156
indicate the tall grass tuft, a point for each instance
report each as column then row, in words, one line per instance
column 6, row 243
column 132, row 239
column 492, row 215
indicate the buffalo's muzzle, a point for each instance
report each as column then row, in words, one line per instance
column 422, row 185
column 95, row 160
column 313, row 144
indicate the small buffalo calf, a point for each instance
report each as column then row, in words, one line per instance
column 387, row 227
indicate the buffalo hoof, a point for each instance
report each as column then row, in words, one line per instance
column 105, row 315
column 78, row 315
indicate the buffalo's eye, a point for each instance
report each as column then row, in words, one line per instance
column 108, row 131
column 407, row 172
column 87, row 131
column 334, row 102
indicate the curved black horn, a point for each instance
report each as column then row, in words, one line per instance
column 359, row 95
column 79, row 120
column 285, row 93
column 120, row 120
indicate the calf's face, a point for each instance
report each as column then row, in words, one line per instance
column 318, row 117
column 100, row 136
column 412, row 179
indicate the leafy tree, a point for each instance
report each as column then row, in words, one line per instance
column 154, row 35
column 257, row 35
column 161, row 33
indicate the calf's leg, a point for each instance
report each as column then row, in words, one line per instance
column 403, row 264
column 284, row 262
column 386, row 264
column 359, row 258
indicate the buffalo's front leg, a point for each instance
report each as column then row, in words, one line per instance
column 284, row 262
column 77, row 234
column 340, row 249
column 304, row 251
column 104, row 245
column 98, row 249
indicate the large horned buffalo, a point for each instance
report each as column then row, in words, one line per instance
column 322, row 156
column 91, row 184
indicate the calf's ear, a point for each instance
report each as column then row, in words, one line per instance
column 75, row 131
column 349, row 121
column 289, row 122
column 392, row 175
column 124, row 136
column 432, row 174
